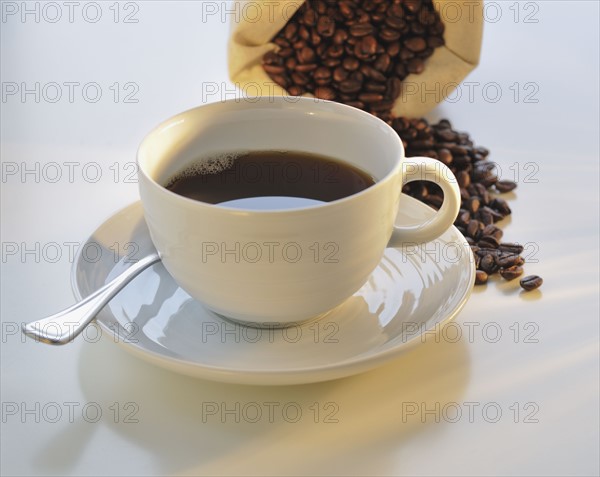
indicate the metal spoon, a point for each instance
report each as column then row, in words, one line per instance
column 64, row 326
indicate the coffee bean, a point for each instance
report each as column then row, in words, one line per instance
column 282, row 42
column 464, row 217
column 322, row 75
column 444, row 155
column 368, row 46
column 323, row 92
column 458, row 150
column 464, row 195
column 412, row 6
column 492, row 231
column 370, row 97
column 482, row 151
column 434, row 200
column 340, row 37
column 394, row 87
column 463, row 179
column 531, row 282
column 393, row 49
column 481, row 277
column 326, row 26
column 416, row 43
column 286, row 53
column 488, row 241
column 501, row 206
column 335, row 51
column 493, row 214
column 488, row 264
column 482, row 252
column 351, row 64
column 303, row 32
column 446, row 134
column 473, row 229
column 416, row 66
column 505, row 186
column 405, row 55
column 340, row 74
column 315, row 38
column 395, row 23
column 331, row 62
column 350, row 86
column 306, row 55
column 389, row 35
column 485, row 216
column 295, row 90
column 298, row 45
column 274, row 69
column 361, row 29
column 375, row 87
column 280, row 80
column 305, row 68
column 346, row 9
column 514, row 248
column 473, row 204
column 434, row 42
column 396, row 10
column 291, row 63
column 271, row 58
column 310, row 17
column 300, row 79
column 291, row 29
column 511, row 273
column 508, row 260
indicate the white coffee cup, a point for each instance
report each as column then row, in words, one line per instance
column 280, row 267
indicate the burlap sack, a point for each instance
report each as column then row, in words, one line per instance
column 255, row 23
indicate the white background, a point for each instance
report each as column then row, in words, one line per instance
column 171, row 55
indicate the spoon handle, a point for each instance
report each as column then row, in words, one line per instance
column 64, row 326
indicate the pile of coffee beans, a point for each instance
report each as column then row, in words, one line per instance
column 481, row 207
column 355, row 52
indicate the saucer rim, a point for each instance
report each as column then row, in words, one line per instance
column 340, row 369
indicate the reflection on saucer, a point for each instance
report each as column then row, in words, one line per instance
column 411, row 291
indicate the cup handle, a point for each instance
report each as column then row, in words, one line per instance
column 432, row 170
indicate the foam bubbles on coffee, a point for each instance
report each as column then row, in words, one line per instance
column 213, row 165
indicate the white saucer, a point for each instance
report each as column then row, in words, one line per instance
column 411, row 291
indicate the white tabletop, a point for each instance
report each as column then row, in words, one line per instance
column 541, row 374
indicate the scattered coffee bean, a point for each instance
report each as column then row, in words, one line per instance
column 505, row 186
column 488, row 241
column 511, row 273
column 481, row 277
column 509, row 260
column 488, row 264
column 512, row 248
column 481, row 213
column 358, row 53
column 531, row 282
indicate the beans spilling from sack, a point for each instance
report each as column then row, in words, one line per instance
column 355, row 52
column 358, row 52
column 480, row 187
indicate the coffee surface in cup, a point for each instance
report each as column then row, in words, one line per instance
column 269, row 180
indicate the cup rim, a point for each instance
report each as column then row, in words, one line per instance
column 345, row 109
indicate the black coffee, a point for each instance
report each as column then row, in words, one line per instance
column 269, row 180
